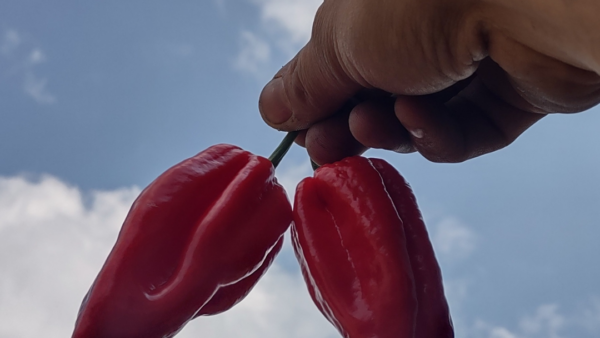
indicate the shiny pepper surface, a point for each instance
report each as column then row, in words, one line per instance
column 365, row 253
column 194, row 243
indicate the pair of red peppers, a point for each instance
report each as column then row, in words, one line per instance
column 200, row 236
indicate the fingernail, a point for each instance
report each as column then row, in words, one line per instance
column 273, row 104
column 418, row 133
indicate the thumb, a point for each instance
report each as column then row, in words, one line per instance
column 313, row 85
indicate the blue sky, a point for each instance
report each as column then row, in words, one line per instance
column 98, row 98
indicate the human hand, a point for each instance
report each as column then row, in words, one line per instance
column 467, row 77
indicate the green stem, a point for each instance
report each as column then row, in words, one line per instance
column 283, row 148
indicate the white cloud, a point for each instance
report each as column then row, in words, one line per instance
column 36, row 88
column 254, row 53
column 279, row 306
column 453, row 240
column 293, row 18
column 10, row 41
column 54, row 239
column 290, row 176
column 482, row 329
column 37, row 56
column 51, row 247
column 21, row 64
column 286, row 26
column 545, row 322
column 500, row 332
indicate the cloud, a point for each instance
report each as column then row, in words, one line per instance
column 285, row 26
column 52, row 244
column 291, row 18
column 279, row 306
column 10, row 41
column 500, row 332
column 54, row 238
column 36, row 89
column 36, row 56
column 254, row 53
column 546, row 322
column 21, row 59
column 290, row 176
column 482, row 329
column 453, row 240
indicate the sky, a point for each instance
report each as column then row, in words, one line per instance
column 98, row 98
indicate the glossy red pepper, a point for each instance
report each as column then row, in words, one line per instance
column 194, row 243
column 365, row 253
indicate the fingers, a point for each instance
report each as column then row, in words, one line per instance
column 374, row 124
column 543, row 83
column 330, row 140
column 358, row 44
column 473, row 123
column 415, row 48
column 369, row 124
column 313, row 85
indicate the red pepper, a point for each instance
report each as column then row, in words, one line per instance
column 365, row 253
column 194, row 243
column 229, row 295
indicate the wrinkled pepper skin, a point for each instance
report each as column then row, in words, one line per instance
column 433, row 317
column 365, row 254
column 194, row 243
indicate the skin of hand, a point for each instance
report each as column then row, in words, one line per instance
column 451, row 79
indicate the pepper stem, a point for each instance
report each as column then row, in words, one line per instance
column 283, row 148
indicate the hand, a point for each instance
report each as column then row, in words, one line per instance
column 450, row 79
